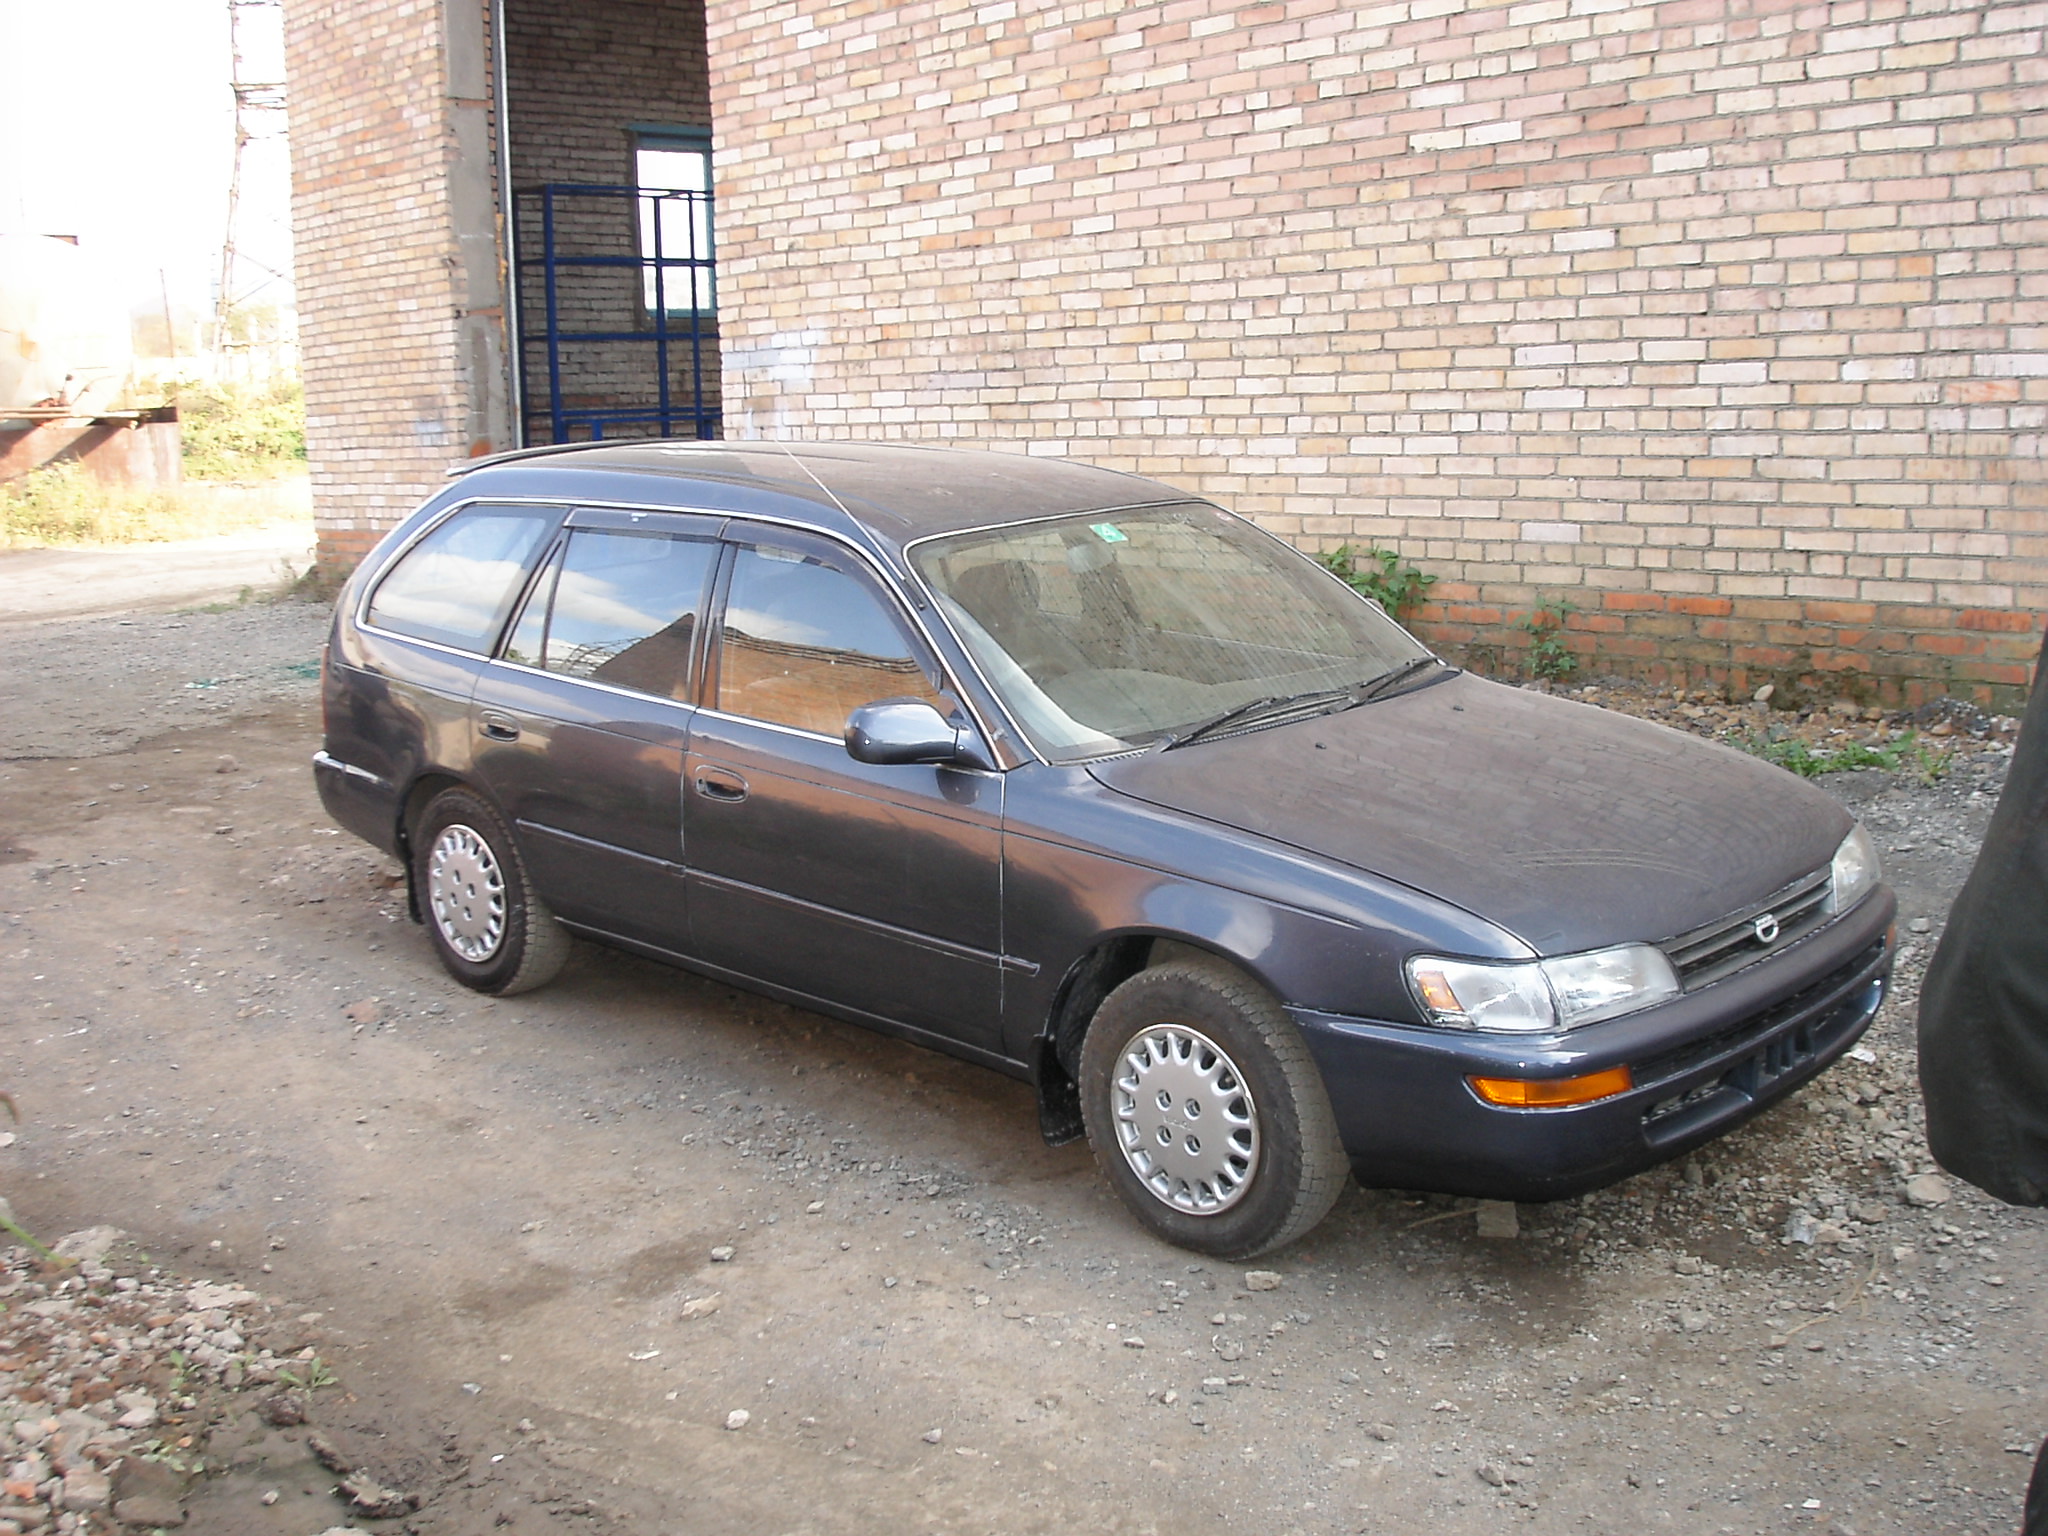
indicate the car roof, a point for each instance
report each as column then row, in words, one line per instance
column 896, row 493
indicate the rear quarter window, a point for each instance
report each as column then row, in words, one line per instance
column 455, row 586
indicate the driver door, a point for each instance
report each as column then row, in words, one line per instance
column 873, row 888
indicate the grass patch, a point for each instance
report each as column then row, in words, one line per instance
column 242, row 431
column 63, row 506
column 1909, row 754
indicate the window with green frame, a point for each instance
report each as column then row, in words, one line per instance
column 672, row 171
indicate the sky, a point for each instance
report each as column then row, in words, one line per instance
column 117, row 126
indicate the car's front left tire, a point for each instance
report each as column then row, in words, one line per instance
column 489, row 926
column 1206, row 1112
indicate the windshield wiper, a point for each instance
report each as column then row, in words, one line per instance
column 1275, row 704
column 1387, row 682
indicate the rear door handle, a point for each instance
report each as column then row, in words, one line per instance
column 721, row 784
column 498, row 727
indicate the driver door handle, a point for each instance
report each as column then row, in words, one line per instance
column 498, row 727
column 721, row 784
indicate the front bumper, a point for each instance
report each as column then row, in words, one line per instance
column 1702, row 1063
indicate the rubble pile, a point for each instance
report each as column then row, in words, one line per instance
column 110, row 1373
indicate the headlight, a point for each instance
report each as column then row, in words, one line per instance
column 1542, row 996
column 1854, row 870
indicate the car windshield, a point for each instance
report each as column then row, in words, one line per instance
column 1109, row 631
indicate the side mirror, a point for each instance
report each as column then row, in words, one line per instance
column 894, row 731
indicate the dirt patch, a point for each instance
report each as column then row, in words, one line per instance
column 229, row 1042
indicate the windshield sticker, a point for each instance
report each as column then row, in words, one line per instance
column 1109, row 533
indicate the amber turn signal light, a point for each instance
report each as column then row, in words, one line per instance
column 1553, row 1092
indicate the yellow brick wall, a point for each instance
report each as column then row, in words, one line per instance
column 388, row 393
column 1728, row 322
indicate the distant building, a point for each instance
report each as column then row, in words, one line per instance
column 1728, row 323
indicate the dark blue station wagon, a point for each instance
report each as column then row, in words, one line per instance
column 1075, row 775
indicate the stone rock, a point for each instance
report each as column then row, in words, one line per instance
column 1261, row 1280
column 723, row 1254
column 702, row 1306
column 1800, row 1227
column 739, row 1418
column 87, row 1488
column 934, row 1436
column 88, row 1246
column 369, row 1497
column 1927, row 1189
column 322, row 1450
column 283, row 1410
column 147, row 1484
column 1490, row 1474
column 150, row 1512
column 1497, row 1219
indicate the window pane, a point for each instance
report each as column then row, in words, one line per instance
column 806, row 644
column 625, row 609
column 1106, row 631
column 456, row 583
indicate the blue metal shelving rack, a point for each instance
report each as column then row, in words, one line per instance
column 676, row 402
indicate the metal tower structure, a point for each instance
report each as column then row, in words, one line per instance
column 259, row 113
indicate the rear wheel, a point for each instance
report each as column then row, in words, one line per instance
column 490, row 928
column 1206, row 1112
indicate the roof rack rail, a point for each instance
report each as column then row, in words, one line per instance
column 456, row 471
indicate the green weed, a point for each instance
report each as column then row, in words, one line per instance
column 1548, row 657
column 309, row 1376
column 1381, row 574
column 1909, row 754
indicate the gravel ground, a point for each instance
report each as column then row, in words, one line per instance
column 560, row 1244
column 86, row 687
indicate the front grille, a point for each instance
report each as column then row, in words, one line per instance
column 1755, row 1073
column 1726, row 945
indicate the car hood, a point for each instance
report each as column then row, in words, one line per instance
column 1568, row 825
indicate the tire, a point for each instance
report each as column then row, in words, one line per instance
column 492, row 931
column 1205, row 1035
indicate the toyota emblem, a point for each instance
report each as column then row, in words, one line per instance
column 1766, row 928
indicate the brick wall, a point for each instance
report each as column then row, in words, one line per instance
column 1725, row 319
column 395, row 315
column 578, row 78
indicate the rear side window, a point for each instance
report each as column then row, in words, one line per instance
column 624, row 611
column 455, row 585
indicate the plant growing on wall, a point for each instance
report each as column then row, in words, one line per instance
column 1381, row 574
column 1548, row 658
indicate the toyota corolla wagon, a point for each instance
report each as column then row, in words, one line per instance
column 1084, row 778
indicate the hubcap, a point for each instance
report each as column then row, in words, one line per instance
column 466, row 890
column 1185, row 1119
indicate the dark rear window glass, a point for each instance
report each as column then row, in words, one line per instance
column 455, row 585
column 624, row 611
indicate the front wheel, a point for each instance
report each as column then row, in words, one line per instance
column 1206, row 1112
column 490, row 928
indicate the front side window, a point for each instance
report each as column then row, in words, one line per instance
column 620, row 608
column 805, row 642
column 454, row 586
column 1107, row 631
